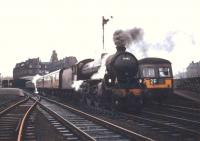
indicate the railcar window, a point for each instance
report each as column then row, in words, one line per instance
column 148, row 72
column 164, row 72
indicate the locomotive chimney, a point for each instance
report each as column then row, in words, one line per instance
column 120, row 39
column 123, row 39
column 120, row 49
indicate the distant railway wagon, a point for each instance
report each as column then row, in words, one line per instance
column 7, row 83
column 19, row 83
column 58, row 80
column 156, row 75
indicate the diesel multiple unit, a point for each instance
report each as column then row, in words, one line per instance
column 156, row 74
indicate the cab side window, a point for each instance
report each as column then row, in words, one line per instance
column 148, row 72
column 164, row 72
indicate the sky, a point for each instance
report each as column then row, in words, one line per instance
column 34, row 28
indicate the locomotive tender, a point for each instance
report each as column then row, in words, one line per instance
column 119, row 88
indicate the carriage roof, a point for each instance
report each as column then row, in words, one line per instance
column 153, row 60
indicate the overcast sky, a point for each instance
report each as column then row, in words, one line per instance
column 34, row 28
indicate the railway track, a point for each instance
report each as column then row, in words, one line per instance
column 178, row 101
column 77, row 125
column 13, row 118
column 28, row 132
column 176, row 111
column 6, row 103
column 186, row 128
column 164, row 128
column 181, row 108
column 153, row 125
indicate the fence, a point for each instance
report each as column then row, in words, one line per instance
column 191, row 84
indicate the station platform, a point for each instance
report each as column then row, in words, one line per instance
column 11, row 91
column 188, row 94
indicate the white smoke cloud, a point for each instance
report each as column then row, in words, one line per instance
column 101, row 72
column 76, row 84
column 34, row 80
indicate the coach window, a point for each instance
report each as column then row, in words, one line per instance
column 56, row 77
column 148, row 72
column 164, row 72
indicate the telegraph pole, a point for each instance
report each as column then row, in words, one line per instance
column 0, row 80
column 104, row 21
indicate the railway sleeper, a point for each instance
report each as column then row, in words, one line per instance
column 67, row 134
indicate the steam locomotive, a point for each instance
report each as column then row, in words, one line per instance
column 118, row 88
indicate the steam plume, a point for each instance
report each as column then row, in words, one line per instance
column 34, row 80
column 123, row 38
column 136, row 34
column 76, row 84
column 167, row 44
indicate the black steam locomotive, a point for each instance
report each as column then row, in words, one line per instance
column 119, row 87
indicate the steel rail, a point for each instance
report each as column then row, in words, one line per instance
column 168, row 109
column 20, row 132
column 172, row 117
column 180, row 107
column 13, row 106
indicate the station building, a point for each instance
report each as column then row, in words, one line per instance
column 193, row 69
column 34, row 66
